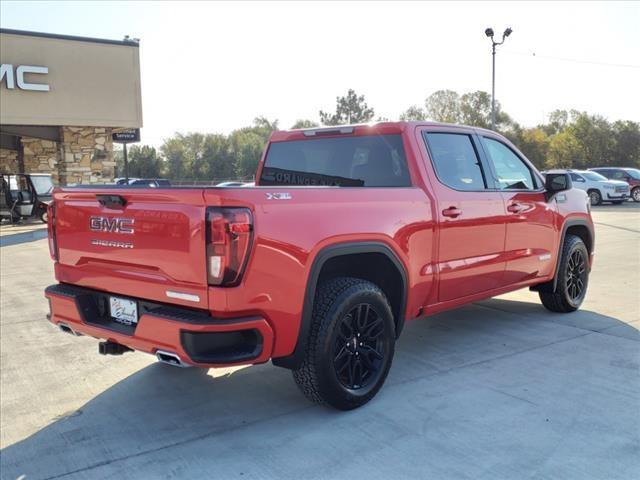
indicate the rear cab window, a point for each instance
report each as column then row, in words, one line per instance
column 354, row 161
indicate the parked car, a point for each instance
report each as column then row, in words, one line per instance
column 230, row 184
column 25, row 195
column 599, row 188
column 629, row 175
column 349, row 232
column 144, row 182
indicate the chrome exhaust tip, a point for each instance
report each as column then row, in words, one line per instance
column 67, row 329
column 170, row 359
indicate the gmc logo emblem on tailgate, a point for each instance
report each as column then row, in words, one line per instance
column 113, row 225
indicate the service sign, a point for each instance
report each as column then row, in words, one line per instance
column 131, row 135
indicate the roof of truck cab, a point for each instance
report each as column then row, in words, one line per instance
column 380, row 128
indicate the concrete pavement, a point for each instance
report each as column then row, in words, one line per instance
column 501, row 389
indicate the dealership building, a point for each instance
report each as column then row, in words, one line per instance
column 61, row 99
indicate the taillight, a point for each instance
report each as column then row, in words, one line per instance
column 51, row 230
column 229, row 236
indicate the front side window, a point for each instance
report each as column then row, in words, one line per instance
column 42, row 184
column 511, row 172
column 595, row 177
column 354, row 161
column 617, row 175
column 455, row 161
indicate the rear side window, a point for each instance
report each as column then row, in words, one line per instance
column 511, row 172
column 576, row 178
column 456, row 161
column 354, row 161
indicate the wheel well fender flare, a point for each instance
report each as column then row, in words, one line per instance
column 325, row 254
column 572, row 222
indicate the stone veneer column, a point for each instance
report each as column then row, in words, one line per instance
column 86, row 155
column 40, row 156
column 8, row 161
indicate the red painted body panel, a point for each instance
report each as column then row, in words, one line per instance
column 485, row 251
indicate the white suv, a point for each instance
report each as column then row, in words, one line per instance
column 599, row 188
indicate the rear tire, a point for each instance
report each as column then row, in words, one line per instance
column 595, row 197
column 350, row 346
column 573, row 278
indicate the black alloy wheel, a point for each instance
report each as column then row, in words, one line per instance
column 576, row 276
column 358, row 348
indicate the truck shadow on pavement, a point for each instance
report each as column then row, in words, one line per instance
column 468, row 394
column 23, row 237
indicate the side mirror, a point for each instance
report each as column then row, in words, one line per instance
column 556, row 182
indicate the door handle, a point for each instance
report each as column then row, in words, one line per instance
column 515, row 208
column 452, row 212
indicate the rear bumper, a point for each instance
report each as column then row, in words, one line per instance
column 196, row 337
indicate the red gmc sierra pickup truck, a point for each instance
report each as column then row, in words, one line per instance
column 349, row 232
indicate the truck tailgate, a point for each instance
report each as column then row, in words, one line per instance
column 145, row 243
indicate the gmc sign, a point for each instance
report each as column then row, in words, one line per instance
column 10, row 79
column 112, row 225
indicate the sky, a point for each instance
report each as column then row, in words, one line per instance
column 214, row 67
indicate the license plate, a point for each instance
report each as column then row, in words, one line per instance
column 123, row 310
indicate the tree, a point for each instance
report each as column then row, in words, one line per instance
column 247, row 147
column 475, row 110
column 413, row 113
column 558, row 120
column 144, row 162
column 196, row 168
column 118, row 157
column 534, row 143
column 304, row 124
column 564, row 151
column 216, row 153
column 351, row 108
column 173, row 151
column 443, row 106
column 594, row 135
column 264, row 126
column 626, row 140
column 472, row 108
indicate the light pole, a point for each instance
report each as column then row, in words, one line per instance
column 489, row 33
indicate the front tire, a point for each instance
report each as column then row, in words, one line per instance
column 635, row 194
column 351, row 344
column 595, row 197
column 573, row 278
